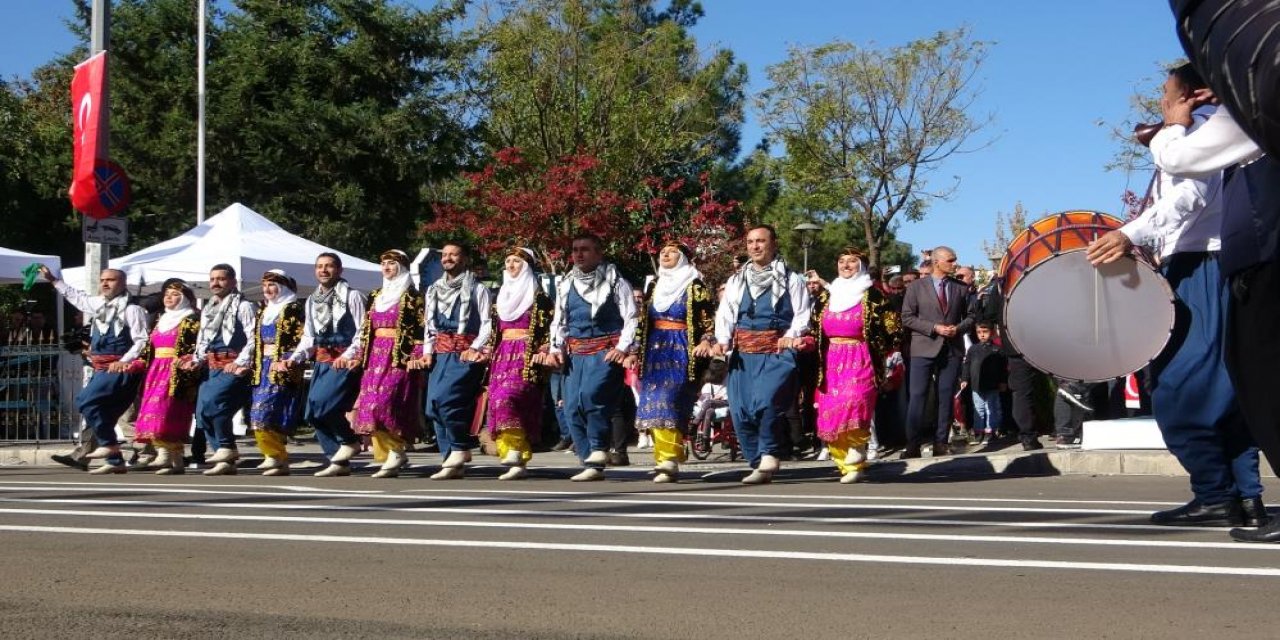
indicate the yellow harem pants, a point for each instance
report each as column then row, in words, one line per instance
column 850, row 439
column 509, row 440
column 384, row 442
column 272, row 443
column 668, row 444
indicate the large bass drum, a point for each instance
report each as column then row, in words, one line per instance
column 1076, row 321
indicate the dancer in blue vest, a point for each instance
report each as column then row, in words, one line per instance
column 118, row 333
column 226, row 325
column 763, row 317
column 591, row 334
column 457, row 330
column 335, row 312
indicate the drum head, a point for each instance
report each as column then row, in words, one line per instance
column 1074, row 321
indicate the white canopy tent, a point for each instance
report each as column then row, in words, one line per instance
column 12, row 262
column 242, row 238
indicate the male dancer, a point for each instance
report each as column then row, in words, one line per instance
column 335, row 312
column 1192, row 395
column 457, row 328
column 763, row 317
column 118, row 333
column 591, row 334
column 225, row 348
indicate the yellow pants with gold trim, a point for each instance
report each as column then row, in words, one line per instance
column 509, row 440
column 384, row 442
column 271, row 443
column 839, row 448
column 668, row 444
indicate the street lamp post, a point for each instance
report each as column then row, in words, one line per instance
column 807, row 231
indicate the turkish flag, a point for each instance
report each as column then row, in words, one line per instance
column 86, row 113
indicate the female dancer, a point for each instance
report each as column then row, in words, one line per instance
column 522, row 317
column 277, row 395
column 387, row 408
column 855, row 330
column 169, row 391
column 677, row 315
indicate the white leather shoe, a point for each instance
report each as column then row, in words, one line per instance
column 851, row 477
column 387, row 473
column 172, row 470
column 109, row 469
column 758, row 476
column 395, row 461
column 515, row 473
column 513, row 459
column 590, row 474
column 225, row 454
column 334, row 470
column 163, row 459
column 102, row 452
column 856, row 455
column 282, row 470
column 456, row 459
column 665, row 478
column 344, row 453
column 768, row 463
column 667, row 466
column 597, row 457
column 269, row 463
column 450, row 473
column 222, row 469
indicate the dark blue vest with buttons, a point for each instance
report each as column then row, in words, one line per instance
column 580, row 324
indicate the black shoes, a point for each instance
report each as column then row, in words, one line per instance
column 941, row 449
column 619, row 459
column 1032, row 445
column 1197, row 514
column 1266, row 533
column 1253, row 512
column 563, row 445
column 912, row 451
column 74, row 463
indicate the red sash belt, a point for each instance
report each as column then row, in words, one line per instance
column 453, row 342
column 220, row 359
column 748, row 341
column 590, row 346
column 329, row 354
column 101, row 362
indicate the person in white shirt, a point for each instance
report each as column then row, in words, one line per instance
column 225, row 348
column 457, row 329
column 118, row 332
column 1192, row 396
column 763, row 318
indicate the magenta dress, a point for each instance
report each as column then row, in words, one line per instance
column 847, row 397
column 388, row 395
column 162, row 418
column 514, row 403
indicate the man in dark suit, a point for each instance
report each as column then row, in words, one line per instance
column 937, row 311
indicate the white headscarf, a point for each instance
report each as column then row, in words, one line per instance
column 846, row 293
column 672, row 283
column 172, row 317
column 283, row 298
column 517, row 292
column 392, row 289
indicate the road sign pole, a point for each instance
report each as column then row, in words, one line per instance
column 96, row 255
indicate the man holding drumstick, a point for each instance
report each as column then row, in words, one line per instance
column 1191, row 394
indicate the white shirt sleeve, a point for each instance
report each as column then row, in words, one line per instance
column 558, row 325
column 306, row 346
column 136, row 319
column 1187, row 198
column 86, row 303
column 429, row 330
column 483, row 307
column 724, row 322
column 1213, row 146
column 801, row 305
column 248, row 317
column 624, row 296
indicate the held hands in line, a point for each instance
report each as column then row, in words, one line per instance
column 235, row 369
column 422, row 363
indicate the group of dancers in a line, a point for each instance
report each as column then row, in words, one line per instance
column 370, row 359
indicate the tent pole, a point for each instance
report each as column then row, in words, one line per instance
column 200, row 63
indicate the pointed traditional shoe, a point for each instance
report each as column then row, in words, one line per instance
column 457, row 458
column 344, row 453
column 856, row 455
column 597, row 457
column 768, row 463
column 450, row 473
column 515, row 473
column 282, row 470
column 107, row 469
column 758, row 476
column 512, row 459
column 221, row 469
column 270, row 463
column 225, row 454
column 334, row 470
column 590, row 474
column 851, row 477
column 102, row 452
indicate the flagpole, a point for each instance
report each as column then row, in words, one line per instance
column 200, row 113
column 97, row 255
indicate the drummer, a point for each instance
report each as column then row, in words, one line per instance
column 1191, row 394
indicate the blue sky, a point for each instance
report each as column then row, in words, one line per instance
column 1056, row 70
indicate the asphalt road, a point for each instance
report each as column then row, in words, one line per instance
column 140, row 556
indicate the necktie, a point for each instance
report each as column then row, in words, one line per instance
column 942, row 296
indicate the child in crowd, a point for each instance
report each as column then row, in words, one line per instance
column 712, row 404
column 986, row 372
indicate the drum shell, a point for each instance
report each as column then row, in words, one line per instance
column 1050, row 236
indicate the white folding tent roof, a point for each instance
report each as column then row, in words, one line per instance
column 242, row 238
column 12, row 262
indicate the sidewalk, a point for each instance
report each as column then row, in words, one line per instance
column 1010, row 461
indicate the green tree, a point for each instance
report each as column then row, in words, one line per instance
column 613, row 79
column 864, row 128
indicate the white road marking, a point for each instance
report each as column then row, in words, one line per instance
column 593, row 499
column 736, row 554
column 802, row 533
column 701, row 516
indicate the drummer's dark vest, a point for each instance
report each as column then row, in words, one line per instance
column 759, row 314
column 581, row 324
column 115, row 343
column 449, row 323
column 1250, row 216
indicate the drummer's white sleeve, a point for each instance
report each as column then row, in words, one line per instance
column 1175, row 209
column 1211, row 147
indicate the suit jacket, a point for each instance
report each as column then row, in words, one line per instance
column 921, row 310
